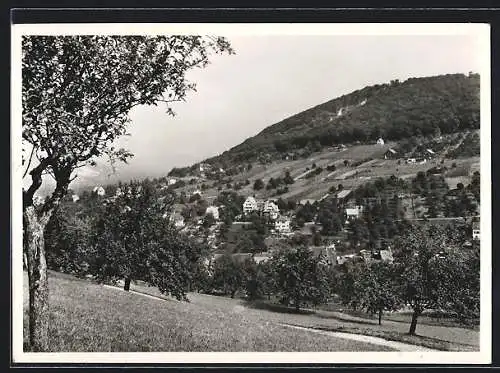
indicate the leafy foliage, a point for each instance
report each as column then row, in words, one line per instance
column 430, row 268
column 301, row 278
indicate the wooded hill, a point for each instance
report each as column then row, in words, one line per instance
column 393, row 111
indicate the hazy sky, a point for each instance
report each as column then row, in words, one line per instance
column 272, row 77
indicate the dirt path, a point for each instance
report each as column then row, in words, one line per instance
column 399, row 346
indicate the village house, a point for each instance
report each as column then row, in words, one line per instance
column 303, row 202
column 476, row 233
column 345, row 258
column 271, row 209
column 328, row 253
column 176, row 218
column 99, row 190
column 171, row 181
column 343, row 196
column 430, row 153
column 380, row 141
column 390, row 154
column 282, row 225
column 354, row 212
column 75, row 197
column 214, row 210
column 250, row 205
column 262, row 258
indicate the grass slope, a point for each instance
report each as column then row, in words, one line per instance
column 85, row 317
column 442, row 335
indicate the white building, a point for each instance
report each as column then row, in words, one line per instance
column 99, row 190
column 380, row 141
column 282, row 225
column 179, row 222
column 214, row 210
column 272, row 209
column 75, row 197
column 476, row 233
column 353, row 213
column 250, row 205
column 172, row 181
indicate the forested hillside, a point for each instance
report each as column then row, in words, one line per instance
column 417, row 106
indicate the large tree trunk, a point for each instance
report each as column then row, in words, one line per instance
column 380, row 316
column 414, row 318
column 37, row 277
column 126, row 287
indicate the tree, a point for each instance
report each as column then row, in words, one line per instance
column 377, row 289
column 288, row 179
column 67, row 239
column 301, row 278
column 77, row 92
column 258, row 184
column 432, row 271
column 125, row 232
column 228, row 275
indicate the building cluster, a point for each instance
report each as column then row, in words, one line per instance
column 270, row 209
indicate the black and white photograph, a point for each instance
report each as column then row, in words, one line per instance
column 251, row 193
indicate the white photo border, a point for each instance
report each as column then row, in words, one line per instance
column 481, row 31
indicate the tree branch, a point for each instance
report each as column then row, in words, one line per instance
column 29, row 161
column 36, row 176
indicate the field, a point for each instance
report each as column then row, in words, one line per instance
column 88, row 317
column 375, row 166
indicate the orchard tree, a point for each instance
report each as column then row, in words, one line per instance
column 228, row 275
column 126, row 231
column 301, row 278
column 77, row 93
column 432, row 272
column 377, row 289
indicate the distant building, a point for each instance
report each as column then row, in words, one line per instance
column 353, row 213
column 327, row 252
column 177, row 219
column 99, row 190
column 250, row 205
column 172, row 181
column 380, row 141
column 282, row 225
column 343, row 196
column 271, row 209
column 306, row 201
column 476, row 232
column 345, row 258
column 390, row 154
column 261, row 258
column 411, row 160
column 383, row 255
column 75, row 197
column 214, row 210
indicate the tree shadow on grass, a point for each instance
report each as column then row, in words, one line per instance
column 347, row 319
column 278, row 308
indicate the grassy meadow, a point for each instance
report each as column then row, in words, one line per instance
column 86, row 317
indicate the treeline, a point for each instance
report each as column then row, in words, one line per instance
column 431, row 271
column 126, row 236
column 416, row 107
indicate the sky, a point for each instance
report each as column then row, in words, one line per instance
column 270, row 78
